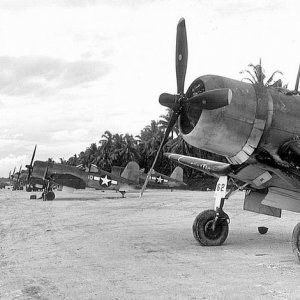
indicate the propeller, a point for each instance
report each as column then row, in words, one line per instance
column 19, row 174
column 179, row 103
column 46, row 172
column 30, row 167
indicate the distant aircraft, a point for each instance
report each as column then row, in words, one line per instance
column 45, row 175
column 17, row 179
column 158, row 179
column 257, row 128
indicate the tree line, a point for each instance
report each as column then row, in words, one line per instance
column 114, row 149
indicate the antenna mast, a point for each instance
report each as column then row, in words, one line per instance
column 297, row 82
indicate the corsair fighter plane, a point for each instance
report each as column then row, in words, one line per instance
column 256, row 128
column 45, row 175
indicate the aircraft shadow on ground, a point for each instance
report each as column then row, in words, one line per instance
column 81, row 199
column 250, row 241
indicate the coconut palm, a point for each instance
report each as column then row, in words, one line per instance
column 164, row 121
column 257, row 75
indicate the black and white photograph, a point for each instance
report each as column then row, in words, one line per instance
column 149, row 149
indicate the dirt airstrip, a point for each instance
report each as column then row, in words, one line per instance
column 95, row 245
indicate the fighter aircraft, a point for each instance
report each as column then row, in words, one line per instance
column 17, row 179
column 255, row 127
column 47, row 174
column 157, row 179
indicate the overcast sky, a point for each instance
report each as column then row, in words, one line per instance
column 71, row 69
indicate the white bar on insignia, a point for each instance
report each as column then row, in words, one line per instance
column 96, row 178
column 114, row 182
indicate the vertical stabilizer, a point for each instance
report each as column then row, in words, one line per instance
column 177, row 174
column 131, row 172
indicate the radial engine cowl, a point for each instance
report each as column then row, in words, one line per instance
column 225, row 130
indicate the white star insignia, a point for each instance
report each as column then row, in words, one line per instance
column 159, row 179
column 105, row 180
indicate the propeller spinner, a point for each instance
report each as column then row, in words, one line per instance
column 178, row 103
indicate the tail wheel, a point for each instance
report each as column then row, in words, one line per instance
column 204, row 232
column 296, row 241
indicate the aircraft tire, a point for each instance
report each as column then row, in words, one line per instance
column 28, row 189
column 49, row 196
column 296, row 241
column 202, row 229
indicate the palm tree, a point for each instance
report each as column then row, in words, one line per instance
column 104, row 159
column 257, row 75
column 129, row 150
column 164, row 121
column 73, row 160
column 149, row 141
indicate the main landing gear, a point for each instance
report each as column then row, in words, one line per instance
column 296, row 241
column 48, row 195
column 211, row 228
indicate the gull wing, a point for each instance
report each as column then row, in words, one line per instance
column 210, row 167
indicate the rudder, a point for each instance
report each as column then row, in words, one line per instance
column 131, row 172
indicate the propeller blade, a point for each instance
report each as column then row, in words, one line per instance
column 181, row 55
column 33, row 155
column 14, row 171
column 171, row 124
column 46, row 171
column 19, row 174
column 211, row 99
column 30, row 167
column 9, row 174
column 168, row 100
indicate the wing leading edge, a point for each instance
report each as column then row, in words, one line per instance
column 210, row 167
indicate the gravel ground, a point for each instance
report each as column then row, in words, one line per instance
column 94, row 245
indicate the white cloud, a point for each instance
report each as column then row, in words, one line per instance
column 44, row 76
column 72, row 69
column 9, row 162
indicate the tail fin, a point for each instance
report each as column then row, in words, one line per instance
column 131, row 172
column 177, row 174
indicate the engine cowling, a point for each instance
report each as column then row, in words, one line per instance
column 255, row 116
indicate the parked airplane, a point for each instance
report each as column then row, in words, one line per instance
column 45, row 175
column 18, row 179
column 255, row 127
column 158, row 179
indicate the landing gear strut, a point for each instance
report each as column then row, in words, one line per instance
column 48, row 194
column 296, row 241
column 210, row 227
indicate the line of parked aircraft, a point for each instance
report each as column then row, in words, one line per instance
column 47, row 176
column 256, row 127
